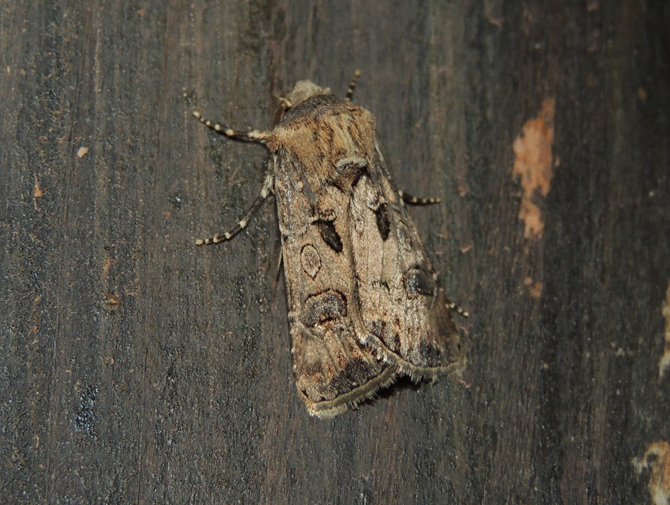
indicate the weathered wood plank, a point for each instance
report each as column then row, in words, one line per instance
column 138, row 368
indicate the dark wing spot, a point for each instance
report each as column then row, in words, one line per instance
column 329, row 235
column 326, row 306
column 418, row 282
column 354, row 373
column 383, row 221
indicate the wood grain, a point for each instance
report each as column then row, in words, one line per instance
column 137, row 368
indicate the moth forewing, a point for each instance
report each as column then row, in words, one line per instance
column 365, row 305
column 402, row 304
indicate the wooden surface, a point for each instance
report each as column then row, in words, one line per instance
column 137, row 368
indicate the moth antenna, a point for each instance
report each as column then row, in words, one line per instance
column 414, row 200
column 242, row 223
column 258, row 136
column 352, row 84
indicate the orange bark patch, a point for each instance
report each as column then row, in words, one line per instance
column 665, row 359
column 533, row 164
column 534, row 287
column 657, row 460
column 37, row 191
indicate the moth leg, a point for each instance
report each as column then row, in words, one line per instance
column 242, row 223
column 415, row 200
column 352, row 85
column 258, row 136
column 456, row 308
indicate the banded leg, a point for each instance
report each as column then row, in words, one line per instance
column 415, row 200
column 456, row 308
column 352, row 85
column 258, row 136
column 242, row 223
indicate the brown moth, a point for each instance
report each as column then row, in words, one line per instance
column 365, row 304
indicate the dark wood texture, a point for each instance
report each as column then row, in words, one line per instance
column 137, row 368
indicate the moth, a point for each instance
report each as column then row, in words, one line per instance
column 365, row 303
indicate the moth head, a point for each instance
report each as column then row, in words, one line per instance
column 303, row 90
